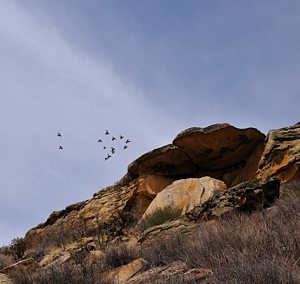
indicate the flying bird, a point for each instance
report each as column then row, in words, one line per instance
column 99, row 140
column 121, row 137
column 127, row 141
column 106, row 133
column 113, row 150
column 58, row 134
column 60, row 147
column 125, row 147
column 104, row 147
column 113, row 139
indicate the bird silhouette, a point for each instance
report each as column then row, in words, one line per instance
column 99, row 140
column 127, row 141
column 125, row 147
column 113, row 139
column 106, row 133
column 104, row 147
column 113, row 150
column 58, row 134
column 121, row 137
column 60, row 147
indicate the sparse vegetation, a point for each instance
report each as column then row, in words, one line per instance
column 263, row 247
column 18, row 248
column 160, row 216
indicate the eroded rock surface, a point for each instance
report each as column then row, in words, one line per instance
column 220, row 151
column 176, row 272
column 243, row 197
column 165, row 230
column 281, row 155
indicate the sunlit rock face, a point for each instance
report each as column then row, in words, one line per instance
column 185, row 194
column 281, row 155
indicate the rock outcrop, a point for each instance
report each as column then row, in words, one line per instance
column 220, row 151
column 165, row 230
column 281, row 155
column 176, row 272
column 243, row 197
column 185, row 194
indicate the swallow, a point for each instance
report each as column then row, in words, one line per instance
column 125, row 147
column 127, row 141
column 113, row 139
column 104, row 147
column 113, row 150
column 106, row 133
column 108, row 156
column 121, row 137
column 60, row 147
column 58, row 134
column 99, row 140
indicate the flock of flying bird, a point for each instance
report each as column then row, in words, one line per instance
column 113, row 149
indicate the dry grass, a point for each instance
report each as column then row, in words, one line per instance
column 263, row 247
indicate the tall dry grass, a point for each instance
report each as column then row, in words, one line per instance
column 263, row 247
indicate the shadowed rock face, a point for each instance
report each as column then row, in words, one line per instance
column 281, row 155
column 243, row 197
column 220, row 151
column 218, row 146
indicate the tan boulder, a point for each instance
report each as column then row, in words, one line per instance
column 185, row 194
column 123, row 273
column 281, row 155
column 148, row 186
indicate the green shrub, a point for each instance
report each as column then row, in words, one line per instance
column 161, row 216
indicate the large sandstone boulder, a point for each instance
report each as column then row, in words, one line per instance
column 220, row 151
column 281, row 155
column 243, row 197
column 147, row 187
column 185, row 194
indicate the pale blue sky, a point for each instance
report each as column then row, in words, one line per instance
column 143, row 69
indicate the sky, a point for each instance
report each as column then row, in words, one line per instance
column 145, row 70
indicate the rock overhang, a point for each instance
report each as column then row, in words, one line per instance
column 216, row 147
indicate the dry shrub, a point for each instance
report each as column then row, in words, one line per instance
column 117, row 255
column 4, row 261
column 290, row 189
column 261, row 248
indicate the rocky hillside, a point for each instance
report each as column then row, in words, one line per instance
column 203, row 174
column 199, row 163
